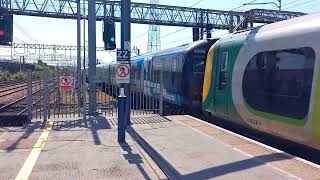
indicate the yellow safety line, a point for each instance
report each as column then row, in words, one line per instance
column 28, row 165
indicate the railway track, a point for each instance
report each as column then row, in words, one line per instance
column 9, row 90
column 10, row 83
column 11, row 109
column 14, row 111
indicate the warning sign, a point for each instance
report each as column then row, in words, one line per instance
column 66, row 83
column 123, row 73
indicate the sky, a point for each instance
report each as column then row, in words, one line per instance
column 41, row 30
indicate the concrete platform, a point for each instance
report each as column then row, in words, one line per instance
column 73, row 149
column 173, row 147
column 187, row 148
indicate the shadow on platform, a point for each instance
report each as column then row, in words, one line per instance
column 27, row 131
column 211, row 172
column 93, row 123
column 133, row 158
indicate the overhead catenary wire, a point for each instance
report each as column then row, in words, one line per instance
column 242, row 5
column 24, row 32
column 141, row 35
column 286, row 4
column 306, row 2
column 196, row 3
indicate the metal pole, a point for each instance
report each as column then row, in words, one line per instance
column 231, row 24
column 29, row 95
column 20, row 63
column 92, row 55
column 78, row 77
column 121, row 116
column 11, row 53
column 126, row 45
column 280, row 4
column 23, row 63
column 45, row 99
column 84, row 85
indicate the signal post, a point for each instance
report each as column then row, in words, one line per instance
column 123, row 58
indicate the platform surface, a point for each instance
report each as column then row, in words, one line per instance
column 187, row 148
column 74, row 149
column 172, row 147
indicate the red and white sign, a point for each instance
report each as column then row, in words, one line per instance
column 122, row 73
column 66, row 83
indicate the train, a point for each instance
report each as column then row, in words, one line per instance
column 265, row 78
column 182, row 70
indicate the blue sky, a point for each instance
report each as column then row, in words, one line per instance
column 60, row 31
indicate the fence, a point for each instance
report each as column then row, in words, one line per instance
column 50, row 100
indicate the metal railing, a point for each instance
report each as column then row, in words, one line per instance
column 53, row 101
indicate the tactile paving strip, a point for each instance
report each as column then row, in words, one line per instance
column 150, row 119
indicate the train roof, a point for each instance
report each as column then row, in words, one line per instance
column 310, row 20
column 179, row 49
column 301, row 24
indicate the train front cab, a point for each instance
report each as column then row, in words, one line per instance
column 272, row 88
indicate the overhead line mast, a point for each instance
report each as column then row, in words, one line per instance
column 154, row 43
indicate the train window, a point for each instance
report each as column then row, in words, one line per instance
column 224, row 63
column 223, row 71
column 279, row 82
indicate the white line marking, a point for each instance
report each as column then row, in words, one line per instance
column 28, row 165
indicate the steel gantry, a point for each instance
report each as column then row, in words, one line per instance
column 149, row 13
column 29, row 46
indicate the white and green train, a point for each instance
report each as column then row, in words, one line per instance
column 268, row 79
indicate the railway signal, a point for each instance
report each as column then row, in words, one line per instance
column 6, row 28
column 109, row 35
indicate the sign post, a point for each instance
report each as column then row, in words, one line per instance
column 121, row 116
column 92, row 56
column 123, row 69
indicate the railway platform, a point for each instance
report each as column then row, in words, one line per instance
column 171, row 147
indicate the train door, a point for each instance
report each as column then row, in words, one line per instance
column 223, row 80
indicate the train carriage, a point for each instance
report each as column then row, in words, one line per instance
column 267, row 79
column 182, row 69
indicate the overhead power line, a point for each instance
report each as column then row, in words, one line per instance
column 141, row 35
column 24, row 32
column 300, row 4
column 288, row 3
column 243, row 5
column 196, row 3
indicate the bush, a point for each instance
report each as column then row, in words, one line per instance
column 20, row 76
column 4, row 76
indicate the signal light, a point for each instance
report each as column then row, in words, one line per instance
column 6, row 29
column 109, row 35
